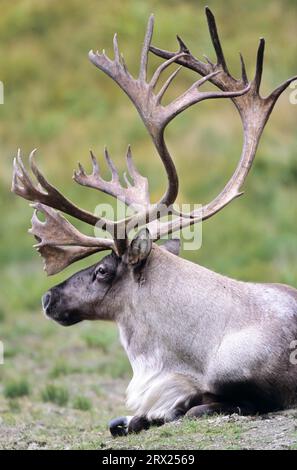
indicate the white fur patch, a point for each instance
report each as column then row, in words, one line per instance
column 155, row 393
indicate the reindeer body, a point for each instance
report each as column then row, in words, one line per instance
column 209, row 335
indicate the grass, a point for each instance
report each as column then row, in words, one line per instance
column 14, row 406
column 82, row 403
column 55, row 394
column 71, row 401
column 16, row 389
column 61, row 368
column 56, row 101
column 194, row 434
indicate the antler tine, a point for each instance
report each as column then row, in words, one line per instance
column 95, row 165
column 216, row 40
column 135, row 195
column 111, row 166
column 244, row 76
column 133, row 172
column 273, row 97
column 166, row 85
column 116, row 49
column 47, row 194
column 163, row 67
column 182, row 45
column 130, row 164
column 145, row 49
column 259, row 65
column 21, row 171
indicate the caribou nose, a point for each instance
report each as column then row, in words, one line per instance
column 46, row 300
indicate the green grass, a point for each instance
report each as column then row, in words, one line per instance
column 55, row 394
column 192, row 434
column 61, row 368
column 16, row 389
column 57, row 101
column 14, row 405
column 72, row 400
column 82, row 403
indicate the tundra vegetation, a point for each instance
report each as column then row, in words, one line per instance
column 54, row 100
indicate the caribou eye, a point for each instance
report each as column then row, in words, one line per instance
column 99, row 274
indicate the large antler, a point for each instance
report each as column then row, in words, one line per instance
column 58, row 241
column 254, row 111
column 57, row 251
column 148, row 103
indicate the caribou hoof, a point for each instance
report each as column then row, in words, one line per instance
column 119, row 426
column 138, row 424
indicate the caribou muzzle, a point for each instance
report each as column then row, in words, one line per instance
column 55, row 309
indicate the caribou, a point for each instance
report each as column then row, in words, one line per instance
column 198, row 342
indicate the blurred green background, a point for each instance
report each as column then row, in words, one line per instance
column 57, row 101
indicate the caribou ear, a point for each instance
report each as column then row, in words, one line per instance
column 140, row 247
column 173, row 246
